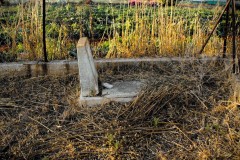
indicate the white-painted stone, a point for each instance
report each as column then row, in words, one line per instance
column 87, row 70
column 107, row 85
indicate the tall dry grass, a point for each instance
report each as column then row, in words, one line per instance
column 161, row 31
column 31, row 29
column 26, row 33
column 140, row 31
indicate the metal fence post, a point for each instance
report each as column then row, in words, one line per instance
column 44, row 49
column 226, row 33
column 235, row 70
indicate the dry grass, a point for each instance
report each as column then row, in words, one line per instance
column 162, row 31
column 184, row 112
column 31, row 26
column 141, row 31
column 25, row 31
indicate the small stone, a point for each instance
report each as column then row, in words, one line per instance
column 107, row 85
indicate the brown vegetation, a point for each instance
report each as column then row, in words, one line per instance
column 184, row 112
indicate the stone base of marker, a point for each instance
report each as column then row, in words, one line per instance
column 120, row 92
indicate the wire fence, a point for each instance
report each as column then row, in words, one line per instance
column 21, row 26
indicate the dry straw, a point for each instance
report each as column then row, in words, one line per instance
column 184, row 112
column 162, row 31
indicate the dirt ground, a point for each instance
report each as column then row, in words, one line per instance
column 186, row 111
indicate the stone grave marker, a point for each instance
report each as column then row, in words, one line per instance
column 87, row 70
column 123, row 91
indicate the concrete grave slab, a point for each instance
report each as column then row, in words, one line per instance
column 36, row 68
column 90, row 92
column 64, row 67
column 123, row 91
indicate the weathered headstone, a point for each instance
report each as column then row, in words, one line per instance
column 123, row 91
column 87, row 70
